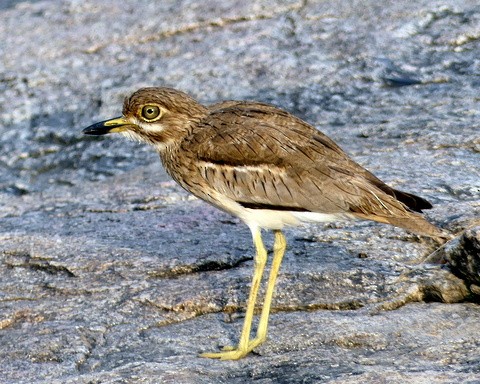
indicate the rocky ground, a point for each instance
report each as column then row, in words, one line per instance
column 110, row 273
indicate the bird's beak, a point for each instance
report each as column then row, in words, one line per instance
column 118, row 124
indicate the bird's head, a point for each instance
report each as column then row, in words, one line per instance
column 158, row 116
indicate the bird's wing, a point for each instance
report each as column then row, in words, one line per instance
column 263, row 157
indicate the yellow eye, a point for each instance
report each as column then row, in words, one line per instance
column 150, row 112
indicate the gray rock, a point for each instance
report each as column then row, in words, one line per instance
column 463, row 256
column 110, row 273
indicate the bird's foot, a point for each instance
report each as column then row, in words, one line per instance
column 234, row 353
column 251, row 344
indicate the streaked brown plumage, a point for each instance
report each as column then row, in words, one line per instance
column 265, row 166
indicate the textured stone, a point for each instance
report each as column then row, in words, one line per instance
column 110, row 273
column 463, row 256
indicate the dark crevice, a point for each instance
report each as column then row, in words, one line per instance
column 202, row 266
column 51, row 269
column 21, row 259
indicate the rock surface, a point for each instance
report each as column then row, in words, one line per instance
column 463, row 257
column 109, row 273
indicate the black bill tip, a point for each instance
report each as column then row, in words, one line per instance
column 117, row 124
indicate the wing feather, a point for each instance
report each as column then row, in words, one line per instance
column 268, row 157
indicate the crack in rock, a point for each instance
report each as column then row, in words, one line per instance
column 206, row 265
column 196, row 26
column 23, row 259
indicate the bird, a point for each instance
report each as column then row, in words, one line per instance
column 265, row 166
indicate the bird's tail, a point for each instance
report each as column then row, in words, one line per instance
column 413, row 222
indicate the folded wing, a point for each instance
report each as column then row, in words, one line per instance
column 262, row 157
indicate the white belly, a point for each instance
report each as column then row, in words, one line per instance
column 269, row 219
column 272, row 219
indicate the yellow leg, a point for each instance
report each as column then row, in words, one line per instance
column 259, row 265
column 278, row 251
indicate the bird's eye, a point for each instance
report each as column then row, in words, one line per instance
column 150, row 112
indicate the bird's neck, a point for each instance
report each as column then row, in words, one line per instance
column 171, row 153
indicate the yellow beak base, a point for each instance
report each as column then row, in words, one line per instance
column 118, row 124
